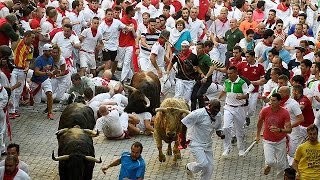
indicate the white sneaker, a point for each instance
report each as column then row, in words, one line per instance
column 226, row 153
column 189, row 173
column 241, row 153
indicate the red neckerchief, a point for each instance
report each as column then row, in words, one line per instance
column 306, row 75
column 94, row 10
column 105, row 82
column 145, row 5
column 282, row 6
column 42, row 5
column 270, row 21
column 25, row 19
column 162, row 28
column 161, row 42
column 284, row 100
column 94, row 32
column 267, row 43
column 108, row 22
column 307, row 51
column 298, row 36
column 184, row 55
column 167, row 16
column 229, row 7
column 63, row 13
column 51, row 22
column 259, row 11
column 223, row 20
column 10, row 176
column 76, row 12
column 295, row 15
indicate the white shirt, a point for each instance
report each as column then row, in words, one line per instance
column 170, row 23
column 315, row 92
column 196, row 29
column 201, row 127
column 3, row 101
column 160, row 52
column 4, row 81
column 293, row 41
column 260, row 48
column 4, row 12
column 21, row 175
column 294, row 110
column 110, row 125
column 238, row 14
column 89, row 42
column 22, row 165
column 88, row 14
column 65, row 43
column 110, row 34
column 268, row 87
column 219, row 28
column 77, row 21
column 231, row 96
column 106, row 4
column 150, row 9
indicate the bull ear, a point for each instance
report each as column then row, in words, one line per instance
column 161, row 109
column 62, row 131
column 91, row 132
column 130, row 88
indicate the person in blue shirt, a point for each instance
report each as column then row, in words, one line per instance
column 133, row 166
column 42, row 73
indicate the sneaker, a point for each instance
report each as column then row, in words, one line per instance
column 234, row 140
column 50, row 116
column 226, row 153
column 266, row 170
column 189, row 173
column 241, row 153
column 17, row 114
column 12, row 116
column 247, row 121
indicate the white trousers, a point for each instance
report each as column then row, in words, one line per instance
column 45, row 86
column 124, row 58
column 234, row 116
column 253, row 99
column 203, row 155
column 183, row 89
column 60, row 86
column 3, row 131
column 296, row 137
column 17, row 75
column 275, row 155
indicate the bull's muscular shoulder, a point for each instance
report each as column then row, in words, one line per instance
column 77, row 114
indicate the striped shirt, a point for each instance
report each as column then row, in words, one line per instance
column 150, row 40
column 22, row 54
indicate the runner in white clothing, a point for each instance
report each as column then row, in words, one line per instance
column 91, row 41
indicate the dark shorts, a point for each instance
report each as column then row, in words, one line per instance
column 109, row 55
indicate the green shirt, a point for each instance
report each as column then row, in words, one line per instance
column 233, row 38
column 85, row 83
column 204, row 63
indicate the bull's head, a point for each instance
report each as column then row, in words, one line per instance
column 136, row 96
column 87, row 131
column 66, row 157
column 171, row 117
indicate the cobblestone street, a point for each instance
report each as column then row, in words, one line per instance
column 36, row 136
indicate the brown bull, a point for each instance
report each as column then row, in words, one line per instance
column 168, row 125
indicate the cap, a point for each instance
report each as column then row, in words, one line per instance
column 154, row 2
column 47, row 47
column 185, row 43
column 302, row 49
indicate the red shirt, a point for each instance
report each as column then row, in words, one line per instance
column 251, row 72
column 204, row 6
column 233, row 62
column 126, row 38
column 307, row 111
column 278, row 119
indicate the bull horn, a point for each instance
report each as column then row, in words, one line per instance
column 60, row 158
column 91, row 132
column 161, row 109
column 61, row 131
column 92, row 159
column 147, row 101
column 130, row 87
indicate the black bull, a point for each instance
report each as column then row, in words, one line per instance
column 77, row 114
column 144, row 93
column 76, row 154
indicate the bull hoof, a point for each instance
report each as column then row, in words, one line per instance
column 162, row 158
column 169, row 153
column 178, row 156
